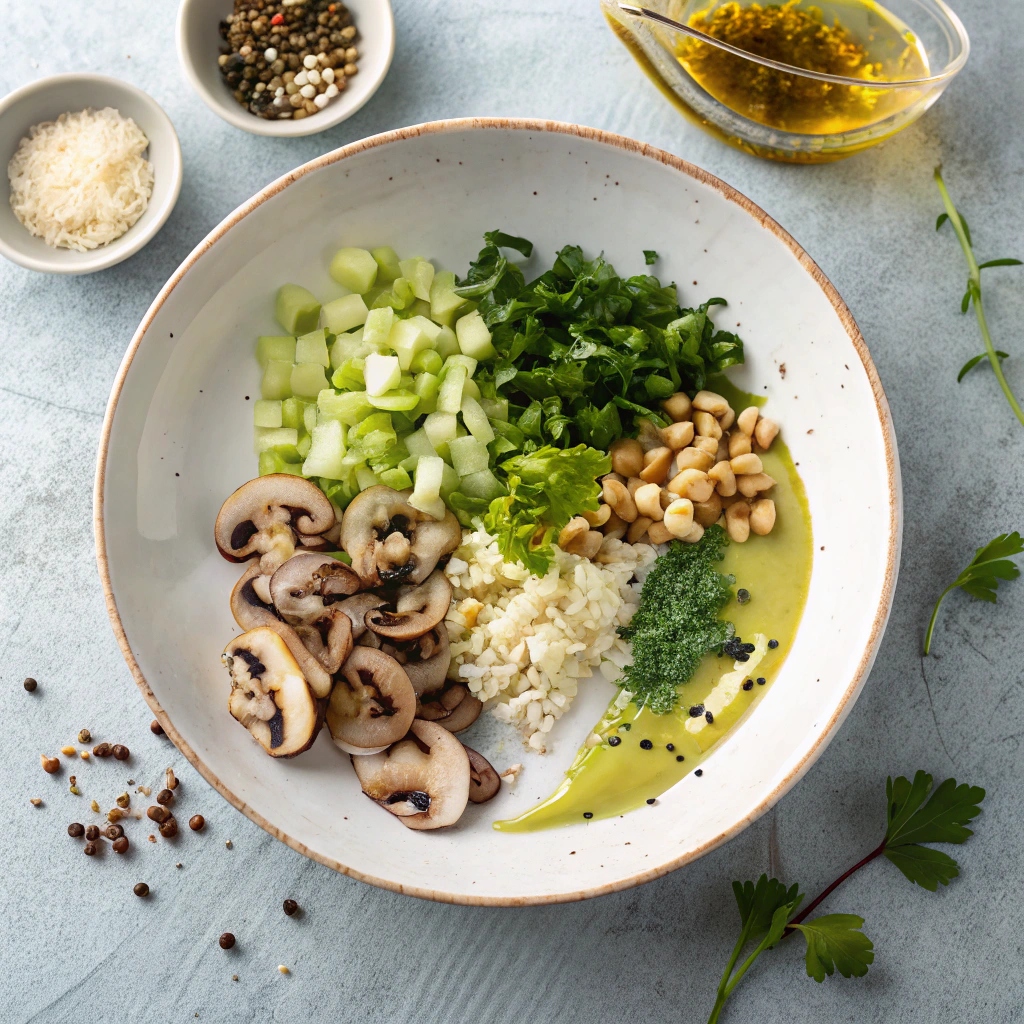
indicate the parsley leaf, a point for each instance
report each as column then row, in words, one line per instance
column 973, row 362
column 650, row 256
column 836, row 943
column 943, row 819
column 980, row 579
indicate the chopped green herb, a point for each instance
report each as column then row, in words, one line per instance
column 677, row 622
column 650, row 257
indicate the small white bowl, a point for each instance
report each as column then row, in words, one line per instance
column 46, row 100
column 199, row 43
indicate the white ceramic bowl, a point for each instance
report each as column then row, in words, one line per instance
column 199, row 45
column 177, row 439
column 46, row 100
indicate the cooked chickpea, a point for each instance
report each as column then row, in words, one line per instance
column 754, row 483
column 658, row 534
column 693, row 484
column 679, row 517
column 708, row 512
column 765, row 432
column 677, row 406
column 616, row 495
column 667, row 497
column 627, row 456
column 694, row 458
column 707, row 444
column 576, row 527
column 746, row 464
column 739, row 444
column 737, row 521
column 588, row 544
column 657, row 463
column 724, row 478
column 648, row 435
column 706, row 425
column 727, row 419
column 723, row 448
column 632, row 484
column 695, row 534
column 598, row 518
column 710, row 401
column 614, row 527
column 762, row 516
column 648, row 501
column 678, row 435
column 747, row 420
column 637, row 529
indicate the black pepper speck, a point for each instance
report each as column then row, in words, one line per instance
column 588, row 815
column 760, row 680
column 646, row 745
column 772, row 644
column 670, row 746
column 708, row 717
column 679, row 757
column 614, row 741
column 699, row 772
column 742, row 595
column 650, row 801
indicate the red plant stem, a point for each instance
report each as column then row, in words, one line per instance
column 805, row 913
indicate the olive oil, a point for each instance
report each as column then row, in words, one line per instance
column 852, row 38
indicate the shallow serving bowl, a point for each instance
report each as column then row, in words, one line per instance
column 46, row 100
column 177, row 439
column 199, row 45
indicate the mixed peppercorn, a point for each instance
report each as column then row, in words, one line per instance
column 287, row 59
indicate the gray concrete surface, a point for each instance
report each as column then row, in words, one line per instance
column 75, row 944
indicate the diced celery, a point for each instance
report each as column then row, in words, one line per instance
column 377, row 421
column 427, row 326
column 419, row 307
column 449, row 394
column 426, row 494
column 273, row 438
column 275, row 346
column 458, row 360
column 471, row 389
column 417, row 443
column 350, row 346
column 366, row 477
column 496, row 408
column 425, row 387
column 444, row 303
column 395, row 401
column 266, row 412
column 378, row 325
column 291, row 412
column 482, row 485
column 427, row 361
column 402, row 291
column 305, row 442
column 272, row 462
column 349, row 408
column 381, row 373
column 447, row 344
column 420, row 273
column 343, row 314
column 397, row 478
column 387, row 263
column 296, row 309
column 439, row 428
column 354, row 269
column 312, row 348
column 407, row 338
column 409, row 464
column 476, row 420
column 468, row 455
column 449, row 481
column 277, row 380
column 308, row 379
column 474, row 338
column 326, row 451
column 349, row 375
column 310, row 418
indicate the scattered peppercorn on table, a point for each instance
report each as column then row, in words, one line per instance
column 220, row 922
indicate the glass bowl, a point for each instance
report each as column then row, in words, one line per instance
column 664, row 43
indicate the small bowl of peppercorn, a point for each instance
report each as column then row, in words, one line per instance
column 285, row 67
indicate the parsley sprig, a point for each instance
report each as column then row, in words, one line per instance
column 973, row 294
column 915, row 816
column 980, row 579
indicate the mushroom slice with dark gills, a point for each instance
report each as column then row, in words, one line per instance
column 251, row 610
column 303, row 592
column 389, row 541
column 357, row 606
column 269, row 517
column 426, row 659
column 372, row 704
column 455, row 709
column 484, row 781
column 416, row 609
column 423, row 779
column 269, row 695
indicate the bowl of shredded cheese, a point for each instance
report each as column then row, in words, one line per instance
column 93, row 170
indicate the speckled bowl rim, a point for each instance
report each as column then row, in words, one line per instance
column 130, row 242
column 631, row 146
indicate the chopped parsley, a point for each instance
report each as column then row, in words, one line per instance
column 677, row 621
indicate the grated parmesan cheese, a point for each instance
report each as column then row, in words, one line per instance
column 81, row 181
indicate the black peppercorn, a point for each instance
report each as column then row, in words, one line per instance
column 76, row 830
column 742, row 595
column 670, row 746
column 679, row 757
column 614, row 741
column 169, row 828
column 120, row 845
column 226, row 941
column 30, row 684
column 165, row 796
column 290, row 907
column 92, row 832
column 113, row 831
column 772, row 644
column 196, row 822
column 650, row 800
column 101, row 750
column 646, row 745
column 121, row 752
column 708, row 717
column 156, row 728
column 748, row 684
column 588, row 815
column 760, row 680
column 140, row 889
column 157, row 813
column 699, row 772
column 89, row 849
column 696, row 710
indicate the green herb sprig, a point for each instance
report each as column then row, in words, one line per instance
column 973, row 294
column 980, row 579
column 836, row 942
